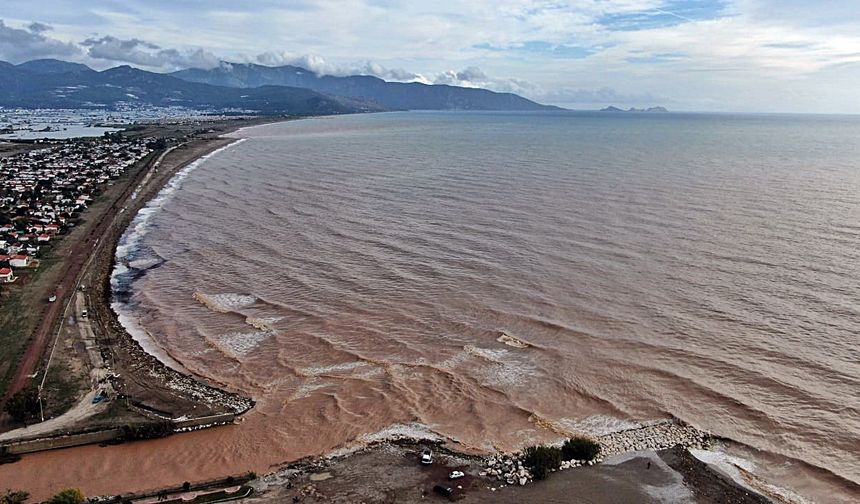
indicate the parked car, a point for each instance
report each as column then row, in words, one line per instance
column 52, row 298
column 456, row 475
column 426, row 456
column 101, row 396
column 84, row 313
column 444, row 490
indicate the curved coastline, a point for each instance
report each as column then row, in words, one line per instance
column 124, row 273
column 136, row 333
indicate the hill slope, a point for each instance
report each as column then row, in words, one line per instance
column 57, row 84
column 393, row 95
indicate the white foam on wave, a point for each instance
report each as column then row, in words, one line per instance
column 496, row 366
column 263, row 323
column 342, row 367
column 599, row 425
column 130, row 242
column 412, row 430
column 513, row 341
column 225, row 302
column 494, row 355
column 308, row 387
column 240, row 344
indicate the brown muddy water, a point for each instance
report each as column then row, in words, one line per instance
column 504, row 279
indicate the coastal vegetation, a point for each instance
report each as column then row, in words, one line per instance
column 23, row 406
column 14, row 497
column 68, row 496
column 580, row 448
column 541, row 460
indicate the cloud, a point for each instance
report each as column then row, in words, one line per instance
column 36, row 27
column 22, row 44
column 475, row 77
column 147, row 54
column 321, row 66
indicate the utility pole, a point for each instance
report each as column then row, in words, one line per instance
column 41, row 410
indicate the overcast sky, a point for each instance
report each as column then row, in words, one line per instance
column 714, row 55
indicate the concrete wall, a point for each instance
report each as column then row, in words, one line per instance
column 55, row 442
column 102, row 436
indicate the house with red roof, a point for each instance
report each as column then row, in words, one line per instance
column 6, row 275
column 20, row 261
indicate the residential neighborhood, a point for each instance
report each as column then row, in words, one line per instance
column 44, row 191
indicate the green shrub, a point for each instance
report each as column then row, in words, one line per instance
column 579, row 448
column 23, row 405
column 14, row 497
column 541, row 460
column 68, row 496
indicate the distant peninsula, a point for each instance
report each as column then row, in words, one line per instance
column 631, row 109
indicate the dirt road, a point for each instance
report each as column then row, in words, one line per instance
column 80, row 411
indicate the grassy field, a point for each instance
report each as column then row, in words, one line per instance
column 17, row 322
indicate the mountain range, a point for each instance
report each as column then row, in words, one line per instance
column 392, row 95
column 49, row 83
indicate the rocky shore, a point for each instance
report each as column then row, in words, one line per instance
column 510, row 469
column 388, row 471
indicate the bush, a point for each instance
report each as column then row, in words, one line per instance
column 541, row 460
column 68, row 496
column 580, row 449
column 23, row 405
column 14, row 497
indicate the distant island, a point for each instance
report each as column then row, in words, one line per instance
column 632, row 109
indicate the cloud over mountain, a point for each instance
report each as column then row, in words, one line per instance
column 147, row 54
column 21, row 44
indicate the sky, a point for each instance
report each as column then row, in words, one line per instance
column 695, row 55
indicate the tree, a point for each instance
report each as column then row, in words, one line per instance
column 23, row 405
column 541, row 460
column 580, row 448
column 68, row 496
column 14, row 497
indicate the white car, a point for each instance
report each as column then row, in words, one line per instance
column 456, row 475
column 426, row 457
